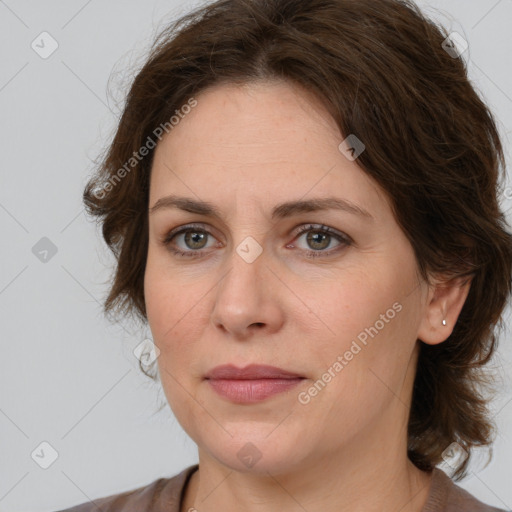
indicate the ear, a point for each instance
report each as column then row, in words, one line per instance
column 444, row 302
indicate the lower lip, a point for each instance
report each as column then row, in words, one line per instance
column 250, row 391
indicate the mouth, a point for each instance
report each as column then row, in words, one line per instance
column 251, row 384
column 251, row 372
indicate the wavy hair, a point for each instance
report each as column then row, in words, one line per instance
column 383, row 71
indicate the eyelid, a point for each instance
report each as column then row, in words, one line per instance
column 309, row 226
column 198, row 225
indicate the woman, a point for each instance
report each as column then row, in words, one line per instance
column 303, row 200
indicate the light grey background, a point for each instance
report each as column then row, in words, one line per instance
column 67, row 376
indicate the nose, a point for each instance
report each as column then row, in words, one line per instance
column 247, row 298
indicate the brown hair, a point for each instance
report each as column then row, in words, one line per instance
column 431, row 143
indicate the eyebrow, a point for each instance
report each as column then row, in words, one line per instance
column 280, row 211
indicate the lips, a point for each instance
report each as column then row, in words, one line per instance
column 251, row 384
column 251, row 372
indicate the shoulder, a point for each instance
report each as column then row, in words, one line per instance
column 160, row 495
column 446, row 496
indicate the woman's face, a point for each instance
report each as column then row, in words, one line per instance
column 247, row 289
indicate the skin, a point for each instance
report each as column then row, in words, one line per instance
column 246, row 149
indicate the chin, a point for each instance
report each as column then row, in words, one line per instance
column 257, row 454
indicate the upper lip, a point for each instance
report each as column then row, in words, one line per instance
column 253, row 371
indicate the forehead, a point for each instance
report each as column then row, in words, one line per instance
column 273, row 114
column 258, row 143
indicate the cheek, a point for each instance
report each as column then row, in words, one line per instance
column 169, row 312
column 369, row 318
column 165, row 297
column 174, row 310
column 352, row 301
column 364, row 362
column 158, row 298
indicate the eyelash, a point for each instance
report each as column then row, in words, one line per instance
column 344, row 239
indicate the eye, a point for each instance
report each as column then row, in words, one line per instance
column 319, row 238
column 194, row 239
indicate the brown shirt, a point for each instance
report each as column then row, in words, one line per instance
column 166, row 494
